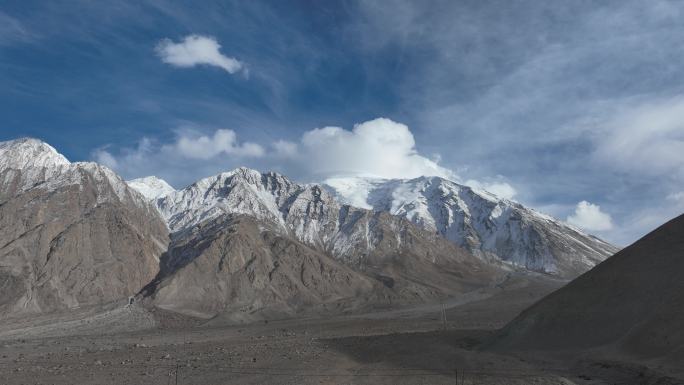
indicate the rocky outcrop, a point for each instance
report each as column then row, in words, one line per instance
column 71, row 234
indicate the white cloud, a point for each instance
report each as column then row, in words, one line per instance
column 500, row 189
column 589, row 216
column 196, row 50
column 223, row 141
column 285, row 148
column 380, row 147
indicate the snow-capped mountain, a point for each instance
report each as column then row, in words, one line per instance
column 28, row 164
column 151, row 187
column 72, row 233
column 493, row 228
column 479, row 221
column 243, row 241
column 27, row 153
column 308, row 212
column 241, row 191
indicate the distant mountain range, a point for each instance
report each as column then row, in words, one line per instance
column 246, row 242
column 492, row 228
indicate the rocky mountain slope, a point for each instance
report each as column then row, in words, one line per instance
column 489, row 226
column 247, row 269
column 632, row 301
column 71, row 234
column 231, row 265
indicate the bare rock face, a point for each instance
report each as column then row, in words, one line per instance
column 491, row 227
column 238, row 265
column 632, row 301
column 232, row 264
column 416, row 264
column 71, row 234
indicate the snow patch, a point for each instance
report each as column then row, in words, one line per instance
column 151, row 187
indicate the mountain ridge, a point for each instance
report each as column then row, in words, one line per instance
column 493, row 228
column 479, row 221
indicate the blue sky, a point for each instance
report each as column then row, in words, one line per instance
column 573, row 107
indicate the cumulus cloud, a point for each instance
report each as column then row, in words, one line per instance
column 196, row 50
column 285, row 148
column 589, row 216
column 380, row 148
column 223, row 141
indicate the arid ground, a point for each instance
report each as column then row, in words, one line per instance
column 131, row 345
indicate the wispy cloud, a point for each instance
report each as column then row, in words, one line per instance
column 196, row 50
column 12, row 30
column 645, row 137
column 677, row 198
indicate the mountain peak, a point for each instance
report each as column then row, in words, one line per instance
column 151, row 187
column 245, row 174
column 29, row 153
column 251, row 173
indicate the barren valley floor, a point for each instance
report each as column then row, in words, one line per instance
column 401, row 346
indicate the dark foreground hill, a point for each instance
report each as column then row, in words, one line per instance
column 633, row 303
